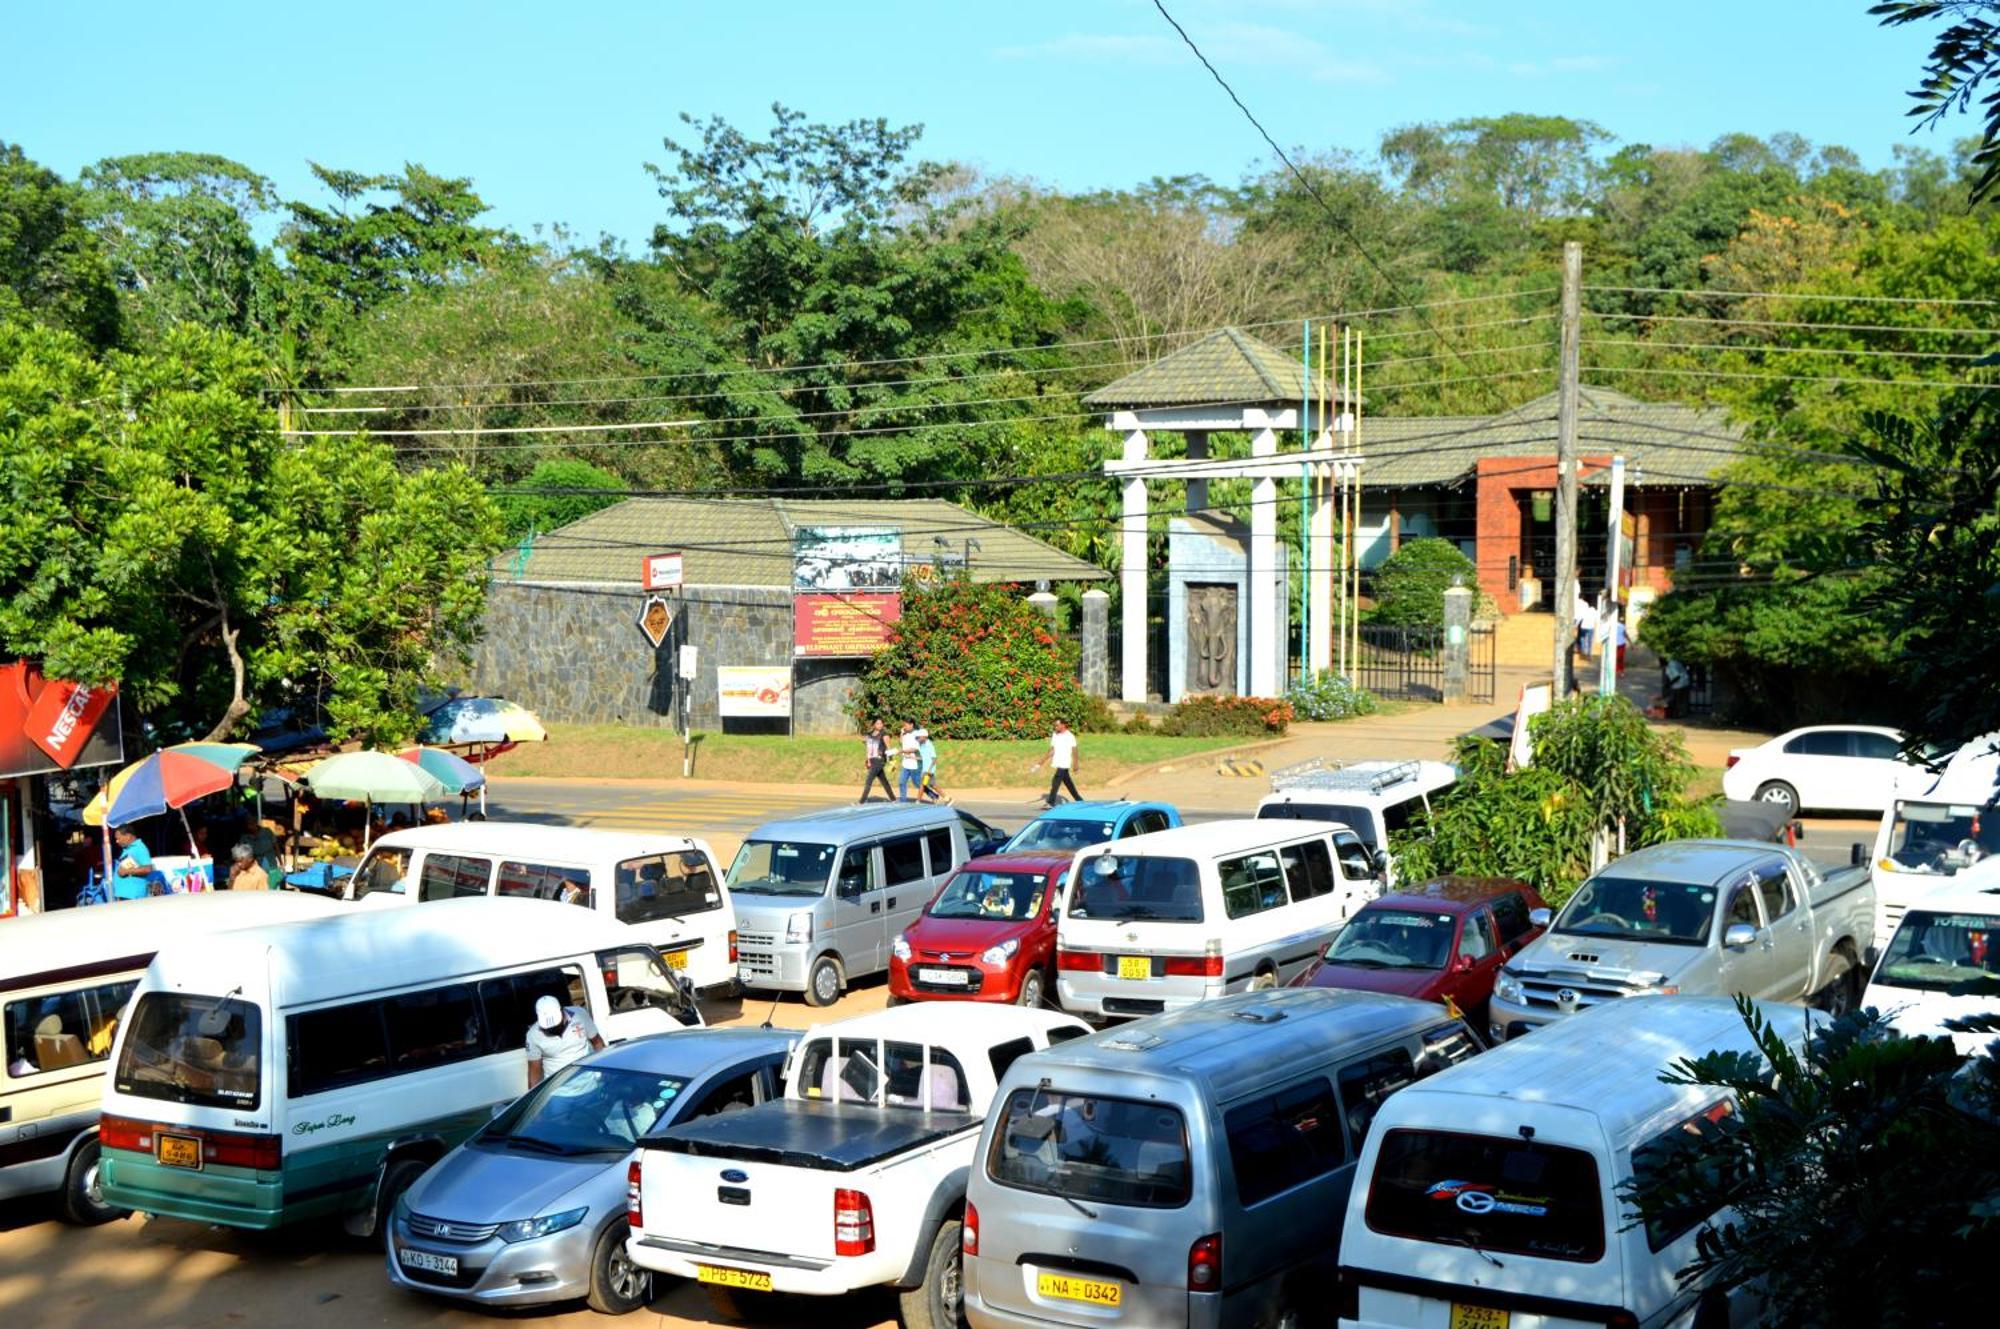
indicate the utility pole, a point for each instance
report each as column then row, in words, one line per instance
column 1566, row 468
column 1607, row 678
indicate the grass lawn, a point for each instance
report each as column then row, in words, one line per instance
column 613, row 752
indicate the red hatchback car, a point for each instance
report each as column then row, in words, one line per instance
column 1441, row 940
column 990, row 935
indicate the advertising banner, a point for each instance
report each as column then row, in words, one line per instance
column 754, row 692
column 664, row 572
column 50, row 725
column 847, row 558
column 844, row 624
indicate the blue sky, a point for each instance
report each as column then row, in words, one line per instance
column 553, row 109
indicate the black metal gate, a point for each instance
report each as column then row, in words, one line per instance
column 1407, row 663
column 1482, row 654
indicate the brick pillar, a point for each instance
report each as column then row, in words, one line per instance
column 1096, row 660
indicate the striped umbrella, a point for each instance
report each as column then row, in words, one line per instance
column 463, row 721
column 171, row 778
column 455, row 773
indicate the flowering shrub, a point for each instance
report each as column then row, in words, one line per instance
column 1330, row 697
column 1204, row 716
column 974, row 661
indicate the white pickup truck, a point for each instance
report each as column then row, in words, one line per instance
column 854, row 1178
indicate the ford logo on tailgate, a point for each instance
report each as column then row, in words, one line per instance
column 737, row 1175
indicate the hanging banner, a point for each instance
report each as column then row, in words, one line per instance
column 754, row 692
column 844, row 624
column 847, row 558
column 49, row 725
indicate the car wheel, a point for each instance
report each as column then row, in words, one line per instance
column 823, row 983
column 83, row 1190
column 1838, row 997
column 1777, row 791
column 399, row 1178
column 617, row 1285
column 1263, row 980
column 1034, row 989
column 939, row 1302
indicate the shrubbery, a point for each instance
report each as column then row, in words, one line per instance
column 1330, row 697
column 1410, row 584
column 1204, row 716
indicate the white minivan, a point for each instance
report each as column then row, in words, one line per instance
column 666, row 886
column 315, row 1069
column 1161, row 921
column 1490, row 1193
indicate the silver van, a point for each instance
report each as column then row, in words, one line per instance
column 1191, row 1168
column 820, row 897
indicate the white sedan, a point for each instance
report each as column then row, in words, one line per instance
column 1847, row 768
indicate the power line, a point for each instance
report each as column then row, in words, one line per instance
column 1712, row 321
column 1790, row 295
column 1783, row 350
column 1845, row 381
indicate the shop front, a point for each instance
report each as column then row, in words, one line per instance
column 51, row 730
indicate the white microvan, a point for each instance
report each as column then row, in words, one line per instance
column 1157, row 922
column 1942, row 942
column 316, row 1069
column 1489, row 1193
column 666, row 886
column 64, row 980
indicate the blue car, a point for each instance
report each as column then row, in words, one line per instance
column 1068, row 827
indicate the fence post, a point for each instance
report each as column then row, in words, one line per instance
column 1096, row 646
column 1457, row 642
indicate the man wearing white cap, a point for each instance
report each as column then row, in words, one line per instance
column 561, row 1034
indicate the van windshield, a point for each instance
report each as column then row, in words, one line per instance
column 781, row 867
column 1355, row 819
column 1489, row 1193
column 188, row 1049
column 1116, row 889
column 1936, row 952
column 1085, row 1147
column 1061, row 833
column 1942, row 837
column 1675, row 912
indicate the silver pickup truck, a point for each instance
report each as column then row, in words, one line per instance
column 1704, row 917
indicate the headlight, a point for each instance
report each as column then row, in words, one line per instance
column 799, row 927
column 1002, row 953
column 901, row 946
column 1507, row 988
column 530, row 1228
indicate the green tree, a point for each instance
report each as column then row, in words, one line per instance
column 1410, row 584
column 52, row 268
column 1964, row 58
column 556, row 493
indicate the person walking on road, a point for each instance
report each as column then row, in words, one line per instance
column 876, row 747
column 561, row 1034
column 928, row 790
column 1063, row 757
column 910, row 777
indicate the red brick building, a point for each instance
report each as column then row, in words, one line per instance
column 1487, row 483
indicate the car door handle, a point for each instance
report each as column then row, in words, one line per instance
column 892, row 902
column 874, row 906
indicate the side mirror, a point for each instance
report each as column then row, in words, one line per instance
column 1380, row 860
column 850, row 890
column 1857, row 854
column 1541, row 918
column 1739, row 936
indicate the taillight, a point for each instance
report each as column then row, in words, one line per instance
column 261, row 1152
column 1733, row 759
column 732, row 945
column 1194, row 966
column 853, row 1224
column 125, row 1133
column 1622, row 1320
column 968, row 1235
column 635, row 1213
column 1205, row 1264
column 1083, row 960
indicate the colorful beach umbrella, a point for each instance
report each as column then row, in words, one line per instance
column 372, row 777
column 455, row 773
column 170, row 778
column 469, row 720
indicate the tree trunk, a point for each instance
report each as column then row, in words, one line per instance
column 239, row 706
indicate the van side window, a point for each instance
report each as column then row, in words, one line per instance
column 509, row 1002
column 433, row 1027
column 938, row 842
column 1400, row 816
column 1308, row 869
column 452, row 877
column 1003, row 1055
column 1251, row 884
column 340, row 1045
column 1283, row 1140
column 1355, row 859
column 1682, row 1148
column 664, row 886
column 1365, row 1084
column 856, row 875
column 541, row 881
column 63, row 1029
column 1510, row 912
column 1774, row 884
column 383, row 870
column 903, row 859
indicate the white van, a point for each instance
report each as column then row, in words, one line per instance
column 1489, row 1194
column 64, row 980
column 1940, row 834
column 666, row 886
column 1161, row 921
column 317, row 1068
column 1373, row 798
column 1944, row 941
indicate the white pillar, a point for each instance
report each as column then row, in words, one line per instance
column 1266, row 591
column 1320, row 534
column 1132, row 576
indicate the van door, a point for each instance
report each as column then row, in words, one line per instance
column 858, row 926
column 907, row 882
column 640, row 995
column 1311, row 877
column 1359, row 882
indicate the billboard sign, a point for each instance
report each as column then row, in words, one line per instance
column 754, row 692
column 51, row 725
column 836, row 625
column 664, row 572
column 847, row 558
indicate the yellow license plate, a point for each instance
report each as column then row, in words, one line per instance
column 178, row 1151
column 676, row 959
column 1089, row 1290
column 1478, row 1317
column 1135, row 966
column 750, row 1280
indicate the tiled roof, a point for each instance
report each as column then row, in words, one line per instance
column 748, row 542
column 1226, row 367
column 1664, row 443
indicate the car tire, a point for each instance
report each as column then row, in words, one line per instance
column 1034, row 992
column 939, row 1301
column 399, row 1177
column 1839, row 995
column 1780, row 793
column 82, row 1193
column 823, row 982
column 617, row 1285
column 1263, row 980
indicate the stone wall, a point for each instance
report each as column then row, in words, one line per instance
column 575, row 655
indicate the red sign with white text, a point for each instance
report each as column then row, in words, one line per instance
column 49, row 725
column 854, row 623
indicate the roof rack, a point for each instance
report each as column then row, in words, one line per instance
column 1317, row 773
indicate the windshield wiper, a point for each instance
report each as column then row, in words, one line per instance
column 1474, row 1247
column 537, row 1144
column 1063, row 1174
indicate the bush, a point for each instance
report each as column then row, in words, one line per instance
column 1138, row 724
column 1410, row 584
column 974, row 661
column 1095, row 717
column 1209, row 717
column 1330, row 697
column 526, row 511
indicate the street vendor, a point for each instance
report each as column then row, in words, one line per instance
column 135, row 865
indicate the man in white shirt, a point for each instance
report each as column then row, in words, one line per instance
column 1063, row 757
column 910, row 778
column 561, row 1034
column 1585, row 614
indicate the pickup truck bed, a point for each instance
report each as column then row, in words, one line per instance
column 812, row 1133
